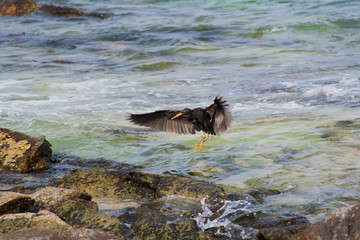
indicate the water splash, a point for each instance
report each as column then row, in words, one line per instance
column 205, row 220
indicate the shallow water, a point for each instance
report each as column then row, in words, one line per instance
column 288, row 69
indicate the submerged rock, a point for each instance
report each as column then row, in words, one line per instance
column 17, row 7
column 343, row 224
column 67, row 11
column 22, row 153
column 279, row 227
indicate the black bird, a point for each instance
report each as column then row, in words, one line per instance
column 213, row 120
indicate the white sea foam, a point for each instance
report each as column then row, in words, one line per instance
column 322, row 92
column 204, row 222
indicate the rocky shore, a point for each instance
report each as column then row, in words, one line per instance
column 24, row 7
column 46, row 196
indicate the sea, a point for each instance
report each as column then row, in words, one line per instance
column 290, row 71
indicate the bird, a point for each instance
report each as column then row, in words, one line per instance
column 212, row 120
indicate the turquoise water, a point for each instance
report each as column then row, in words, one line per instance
column 289, row 70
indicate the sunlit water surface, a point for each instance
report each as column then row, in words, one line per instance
column 288, row 69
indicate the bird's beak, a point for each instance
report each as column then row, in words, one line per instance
column 177, row 115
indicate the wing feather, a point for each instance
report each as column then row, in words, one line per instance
column 221, row 116
column 161, row 120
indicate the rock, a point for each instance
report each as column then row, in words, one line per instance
column 282, row 229
column 92, row 163
column 17, row 7
column 260, row 194
column 29, row 234
column 43, row 219
column 67, row 11
column 86, row 234
column 343, row 224
column 100, row 182
column 78, row 210
column 63, row 202
column 67, row 234
column 100, row 221
column 11, row 202
column 154, row 221
column 18, row 189
column 22, row 153
column 191, row 188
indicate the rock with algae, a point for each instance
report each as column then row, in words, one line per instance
column 11, row 202
column 17, row 7
column 22, row 153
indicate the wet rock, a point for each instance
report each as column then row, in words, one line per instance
column 351, row 124
column 43, row 219
column 78, row 210
column 18, row 189
column 343, row 224
column 22, row 153
column 17, row 7
column 100, row 221
column 283, row 229
column 68, row 234
column 63, row 202
column 29, row 233
column 99, row 182
column 260, row 194
column 244, row 197
column 67, row 11
column 156, row 220
column 11, row 202
column 74, row 162
column 191, row 188
column 272, row 226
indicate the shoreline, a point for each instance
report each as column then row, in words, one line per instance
column 148, row 206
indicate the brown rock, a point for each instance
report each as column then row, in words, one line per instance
column 68, row 234
column 62, row 11
column 29, row 234
column 22, row 153
column 86, row 234
column 66, row 11
column 99, row 182
column 191, row 188
column 341, row 225
column 100, row 221
column 282, row 229
column 43, row 219
column 17, row 7
column 11, row 202
column 78, row 210
column 63, row 202
column 157, row 220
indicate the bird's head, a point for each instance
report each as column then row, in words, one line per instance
column 183, row 112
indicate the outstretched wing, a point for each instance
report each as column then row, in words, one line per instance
column 220, row 115
column 161, row 120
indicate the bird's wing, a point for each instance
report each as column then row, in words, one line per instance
column 221, row 116
column 161, row 120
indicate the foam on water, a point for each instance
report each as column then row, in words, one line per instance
column 222, row 223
